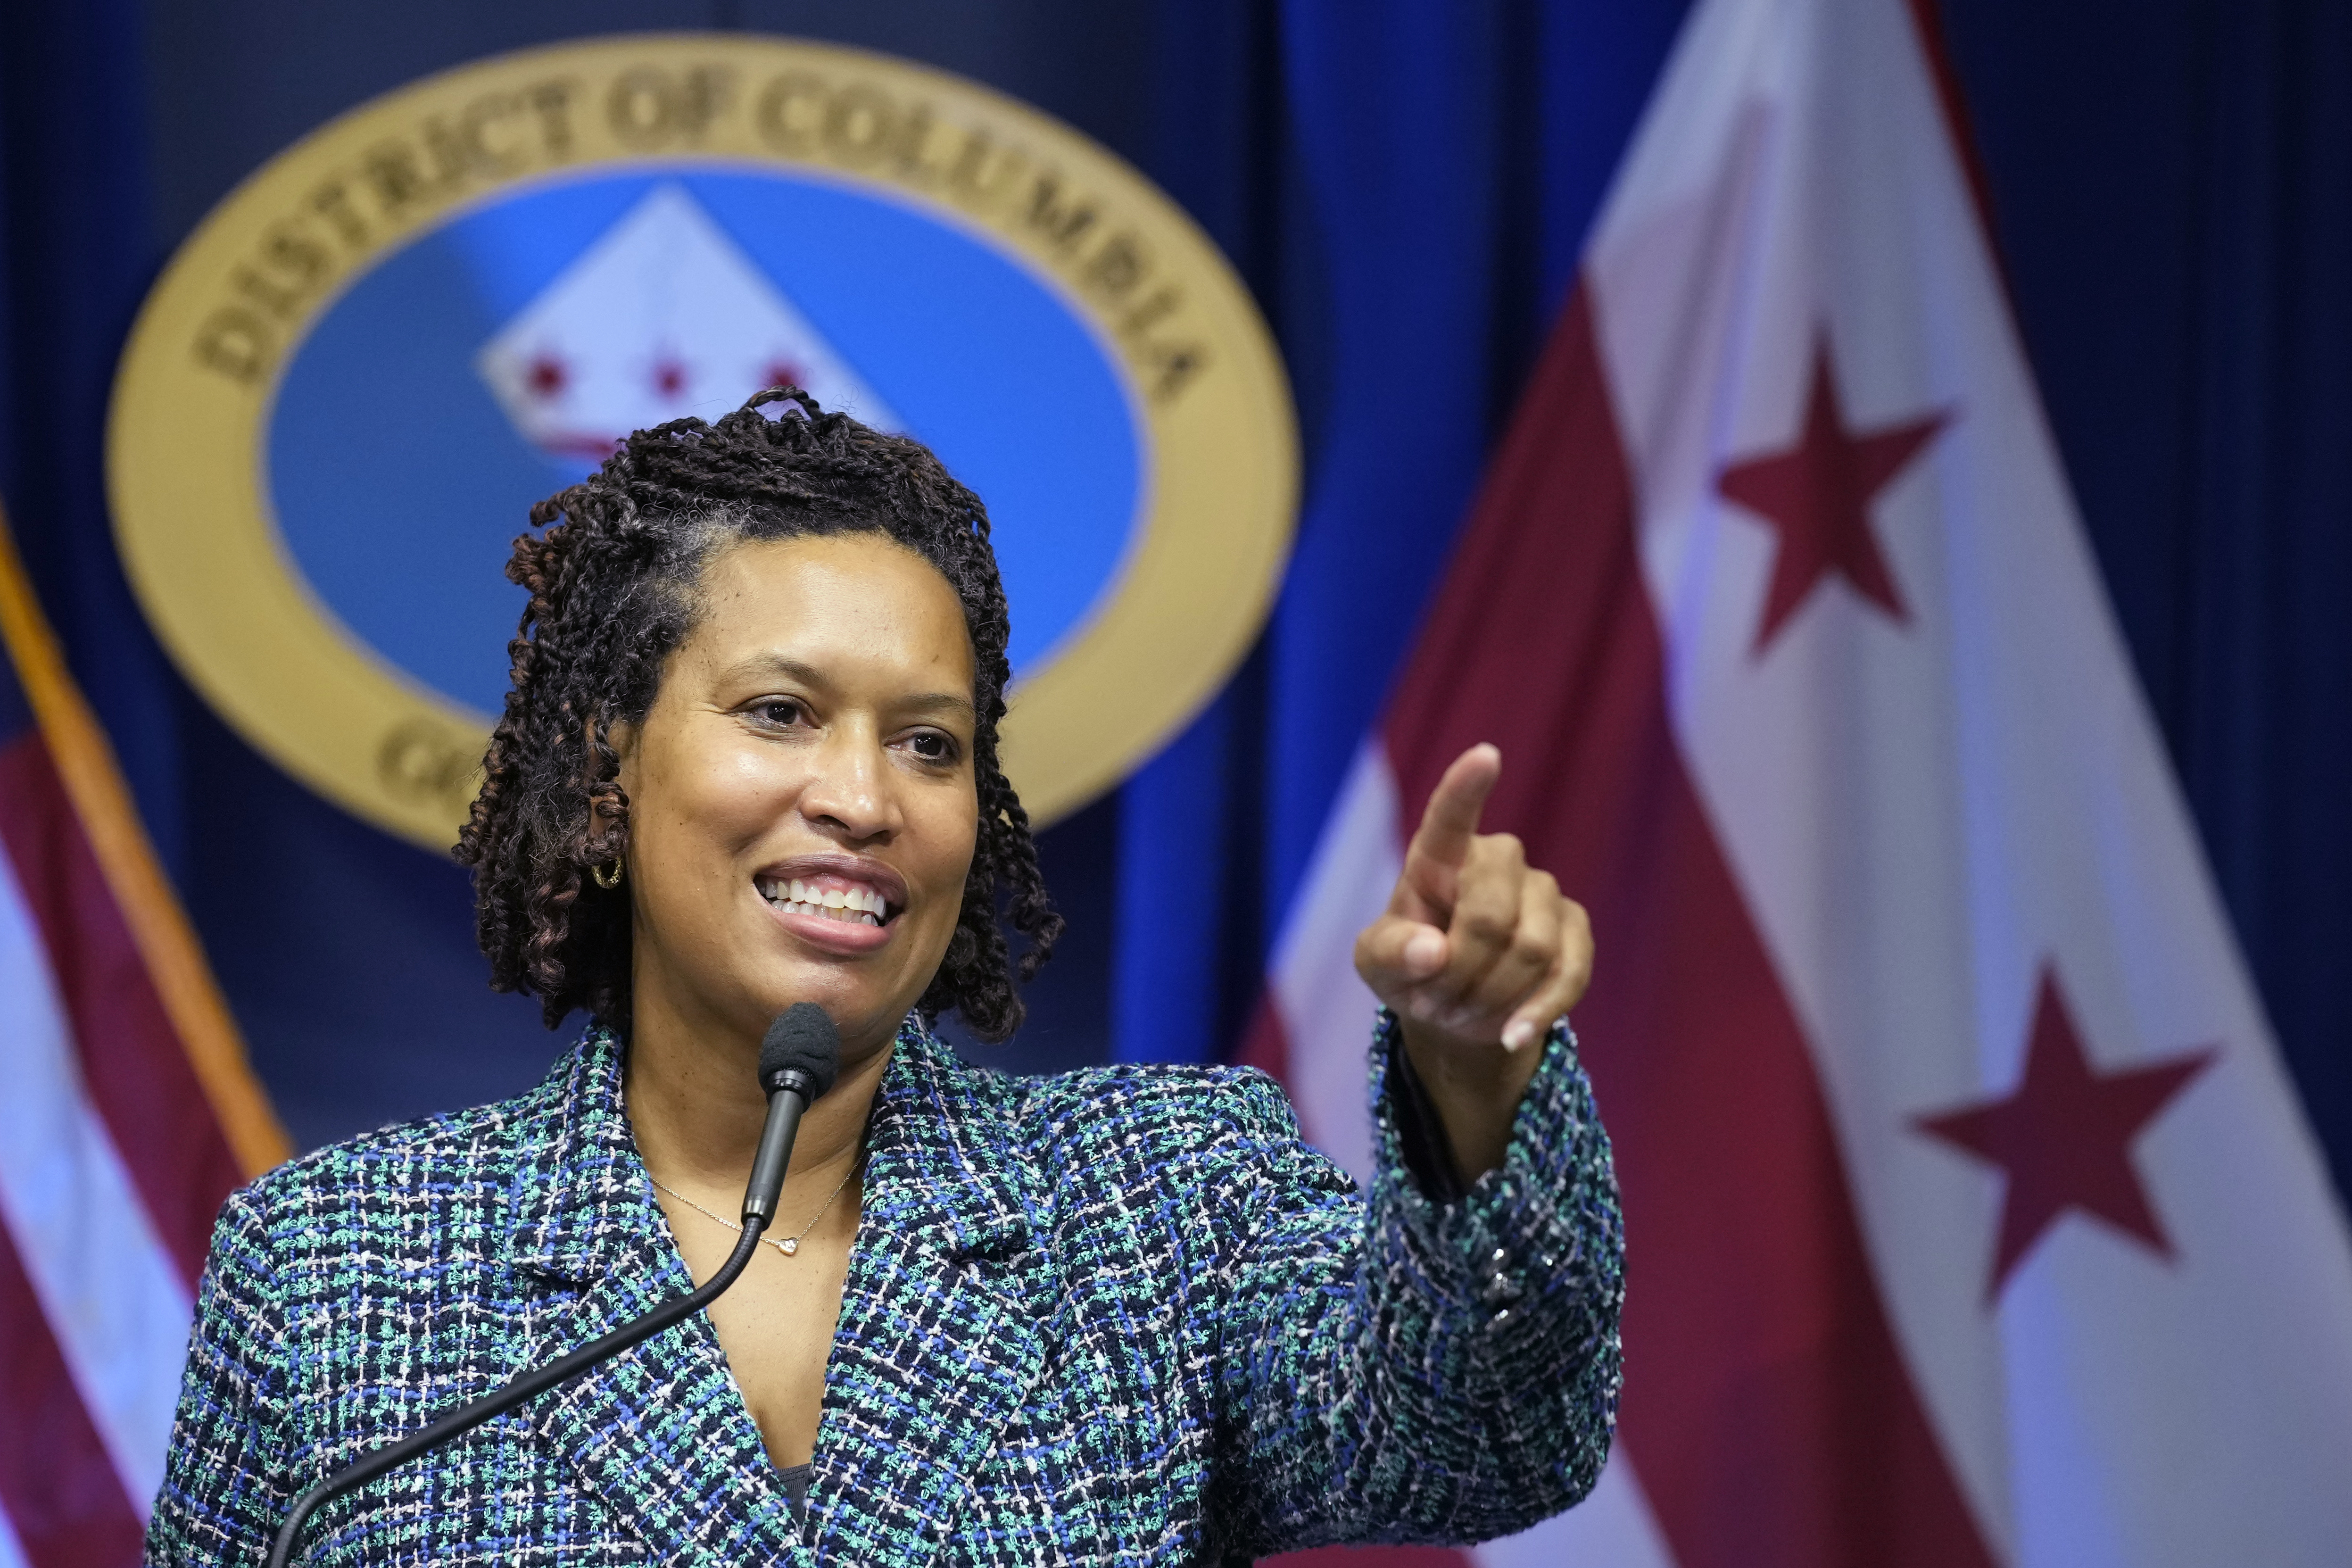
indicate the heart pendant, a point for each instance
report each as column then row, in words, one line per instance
column 791, row 1245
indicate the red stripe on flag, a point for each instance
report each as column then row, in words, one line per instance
column 64, row 1500
column 138, row 1075
column 1769, row 1412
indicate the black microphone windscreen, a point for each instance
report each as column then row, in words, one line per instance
column 803, row 1036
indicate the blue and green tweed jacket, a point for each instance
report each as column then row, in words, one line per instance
column 1122, row 1315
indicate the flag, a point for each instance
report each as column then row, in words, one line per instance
column 127, row 1113
column 1970, row 1214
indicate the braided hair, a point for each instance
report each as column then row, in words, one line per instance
column 613, row 581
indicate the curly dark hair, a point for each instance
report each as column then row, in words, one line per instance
column 613, row 581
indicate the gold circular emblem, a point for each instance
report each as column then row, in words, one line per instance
column 306, row 416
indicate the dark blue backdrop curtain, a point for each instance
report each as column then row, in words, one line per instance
column 1404, row 184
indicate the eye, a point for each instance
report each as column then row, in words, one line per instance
column 782, row 712
column 933, row 746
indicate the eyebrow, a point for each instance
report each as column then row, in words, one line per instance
column 809, row 675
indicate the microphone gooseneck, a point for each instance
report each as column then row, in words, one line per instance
column 799, row 1058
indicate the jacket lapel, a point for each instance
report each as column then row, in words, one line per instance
column 660, row 1433
column 945, row 1317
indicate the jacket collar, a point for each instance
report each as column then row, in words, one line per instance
column 582, row 1199
column 660, row 1431
column 942, row 1163
column 950, row 1292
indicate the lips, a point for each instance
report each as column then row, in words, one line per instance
column 843, row 903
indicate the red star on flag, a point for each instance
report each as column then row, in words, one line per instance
column 1817, row 496
column 2063, row 1136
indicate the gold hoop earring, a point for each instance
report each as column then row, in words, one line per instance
column 604, row 882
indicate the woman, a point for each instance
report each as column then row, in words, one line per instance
column 750, row 759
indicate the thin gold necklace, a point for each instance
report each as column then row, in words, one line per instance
column 789, row 1245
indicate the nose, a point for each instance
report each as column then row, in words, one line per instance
column 847, row 792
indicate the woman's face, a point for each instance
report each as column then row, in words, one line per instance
column 801, row 810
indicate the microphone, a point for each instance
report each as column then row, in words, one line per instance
column 799, row 1057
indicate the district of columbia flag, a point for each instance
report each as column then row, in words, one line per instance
column 128, row 1114
column 1970, row 1214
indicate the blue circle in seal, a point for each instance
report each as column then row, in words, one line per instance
column 399, row 483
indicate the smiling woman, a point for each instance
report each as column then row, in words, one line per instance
column 813, row 744
column 864, row 569
column 749, row 760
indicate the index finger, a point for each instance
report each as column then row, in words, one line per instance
column 1451, row 819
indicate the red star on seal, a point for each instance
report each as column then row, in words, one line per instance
column 1817, row 496
column 2063, row 1136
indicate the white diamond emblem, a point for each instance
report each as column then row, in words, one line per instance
column 662, row 317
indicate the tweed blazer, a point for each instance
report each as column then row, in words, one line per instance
column 1122, row 1315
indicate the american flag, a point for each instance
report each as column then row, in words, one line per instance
column 127, row 1113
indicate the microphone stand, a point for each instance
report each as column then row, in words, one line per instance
column 789, row 1092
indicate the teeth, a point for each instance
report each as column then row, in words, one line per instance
column 856, row 905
